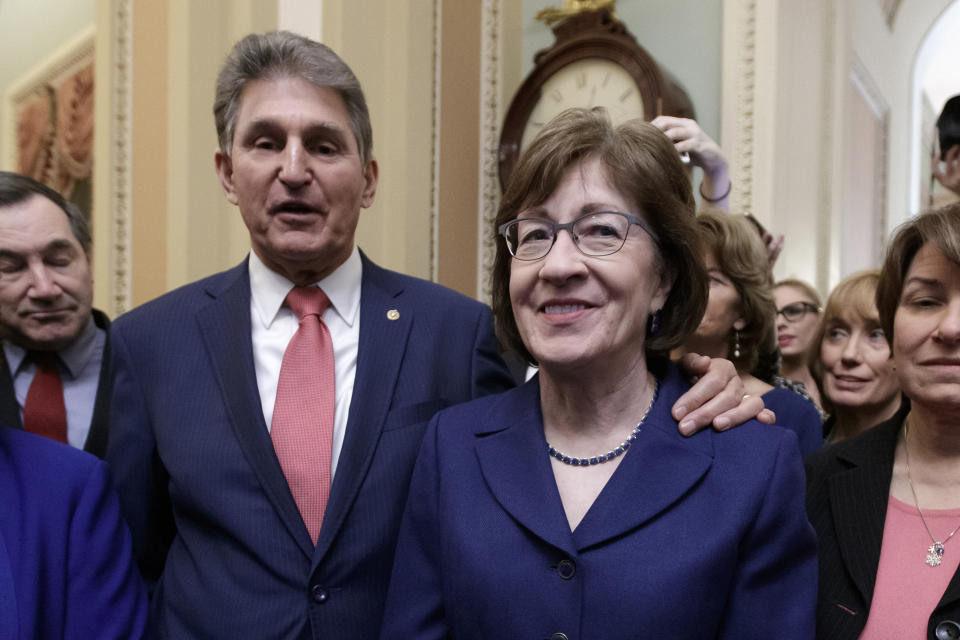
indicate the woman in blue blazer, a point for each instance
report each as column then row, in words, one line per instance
column 66, row 561
column 571, row 507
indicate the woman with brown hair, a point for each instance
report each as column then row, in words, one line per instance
column 850, row 357
column 739, row 319
column 571, row 507
column 886, row 504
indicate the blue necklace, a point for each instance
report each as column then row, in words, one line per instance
column 613, row 453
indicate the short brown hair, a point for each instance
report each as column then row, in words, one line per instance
column 641, row 164
column 739, row 252
column 939, row 227
column 278, row 54
column 854, row 296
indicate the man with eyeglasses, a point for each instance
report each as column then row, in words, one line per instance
column 268, row 417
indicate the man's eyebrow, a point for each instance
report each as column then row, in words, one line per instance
column 58, row 244
column 267, row 124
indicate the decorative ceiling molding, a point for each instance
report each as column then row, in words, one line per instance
column 744, row 151
column 435, row 140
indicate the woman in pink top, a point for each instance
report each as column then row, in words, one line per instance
column 886, row 504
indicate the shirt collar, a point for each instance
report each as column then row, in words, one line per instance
column 268, row 289
column 74, row 358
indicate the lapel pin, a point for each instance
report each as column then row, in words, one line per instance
column 393, row 314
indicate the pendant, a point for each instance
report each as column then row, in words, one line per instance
column 934, row 558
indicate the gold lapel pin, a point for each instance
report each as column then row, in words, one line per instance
column 393, row 314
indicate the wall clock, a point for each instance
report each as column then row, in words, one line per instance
column 594, row 61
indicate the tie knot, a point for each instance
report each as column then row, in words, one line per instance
column 46, row 360
column 305, row 301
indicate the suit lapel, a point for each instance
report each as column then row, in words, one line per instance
column 96, row 442
column 861, row 495
column 383, row 341
column 225, row 327
column 9, row 409
column 514, row 462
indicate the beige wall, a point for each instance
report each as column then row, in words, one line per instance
column 423, row 66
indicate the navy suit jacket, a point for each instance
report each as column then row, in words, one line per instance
column 213, row 519
column 700, row 537
column 96, row 442
column 66, row 563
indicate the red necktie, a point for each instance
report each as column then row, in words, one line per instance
column 302, row 427
column 43, row 411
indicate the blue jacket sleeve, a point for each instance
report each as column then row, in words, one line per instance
column 106, row 597
column 774, row 593
column 489, row 373
column 140, row 476
column 414, row 609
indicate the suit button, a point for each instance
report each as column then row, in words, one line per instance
column 559, row 636
column 319, row 594
column 948, row 630
column 567, row 569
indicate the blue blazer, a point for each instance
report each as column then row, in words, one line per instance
column 66, row 564
column 798, row 414
column 213, row 520
column 700, row 537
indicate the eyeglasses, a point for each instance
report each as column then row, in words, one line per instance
column 795, row 311
column 595, row 234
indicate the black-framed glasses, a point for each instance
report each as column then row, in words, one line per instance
column 600, row 233
column 795, row 311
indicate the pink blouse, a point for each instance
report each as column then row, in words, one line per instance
column 907, row 588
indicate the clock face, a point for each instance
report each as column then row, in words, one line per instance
column 590, row 82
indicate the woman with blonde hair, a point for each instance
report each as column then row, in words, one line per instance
column 851, row 358
column 798, row 314
column 738, row 323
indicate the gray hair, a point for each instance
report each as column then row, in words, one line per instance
column 278, row 54
column 16, row 188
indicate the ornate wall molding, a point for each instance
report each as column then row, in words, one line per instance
column 490, row 117
column 744, row 151
column 121, row 152
column 435, row 141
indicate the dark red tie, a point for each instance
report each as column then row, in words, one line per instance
column 302, row 426
column 43, row 411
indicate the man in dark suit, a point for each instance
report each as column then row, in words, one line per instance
column 222, row 508
column 54, row 378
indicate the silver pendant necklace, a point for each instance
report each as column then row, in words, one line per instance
column 934, row 551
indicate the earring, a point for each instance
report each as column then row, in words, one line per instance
column 736, row 344
column 653, row 323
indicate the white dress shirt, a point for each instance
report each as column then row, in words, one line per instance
column 273, row 325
